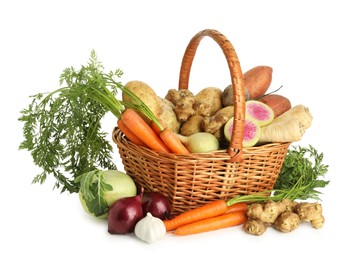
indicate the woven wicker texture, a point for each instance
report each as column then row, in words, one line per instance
column 195, row 179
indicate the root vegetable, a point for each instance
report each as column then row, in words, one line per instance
column 252, row 131
column 299, row 112
column 209, row 210
column 255, row 226
column 172, row 141
column 260, row 112
column 208, row 101
column 290, row 204
column 167, row 116
column 201, row 142
column 135, row 123
column 214, row 223
column 161, row 108
column 287, row 222
column 192, row 126
column 257, row 80
column 183, row 100
column 311, row 212
column 288, row 127
column 129, row 134
column 228, row 96
column 284, row 215
column 212, row 124
column 278, row 103
column 290, row 130
column 267, row 212
column 144, row 92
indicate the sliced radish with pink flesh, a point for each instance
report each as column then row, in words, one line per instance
column 259, row 111
column 252, row 131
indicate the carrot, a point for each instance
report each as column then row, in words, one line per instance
column 237, row 207
column 214, row 223
column 155, row 128
column 172, row 141
column 140, row 128
column 129, row 134
column 209, row 210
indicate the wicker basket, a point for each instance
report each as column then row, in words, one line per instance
column 192, row 180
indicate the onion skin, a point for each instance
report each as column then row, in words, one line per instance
column 157, row 204
column 124, row 214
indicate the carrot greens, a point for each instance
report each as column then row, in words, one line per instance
column 62, row 129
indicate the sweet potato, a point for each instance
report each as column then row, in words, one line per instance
column 278, row 103
column 257, row 80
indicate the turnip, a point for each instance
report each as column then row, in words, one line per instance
column 201, row 142
column 100, row 189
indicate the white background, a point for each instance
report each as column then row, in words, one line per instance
column 305, row 42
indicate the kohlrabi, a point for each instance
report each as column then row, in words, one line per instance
column 100, row 189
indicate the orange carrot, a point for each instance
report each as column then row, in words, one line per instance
column 155, row 127
column 211, row 209
column 140, row 128
column 172, row 141
column 241, row 206
column 129, row 134
column 214, row 223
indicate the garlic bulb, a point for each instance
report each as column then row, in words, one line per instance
column 150, row 229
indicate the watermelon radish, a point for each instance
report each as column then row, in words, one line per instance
column 259, row 111
column 252, row 131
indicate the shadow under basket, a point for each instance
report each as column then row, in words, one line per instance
column 190, row 181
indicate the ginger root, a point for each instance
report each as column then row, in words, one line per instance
column 192, row 126
column 183, row 101
column 212, row 124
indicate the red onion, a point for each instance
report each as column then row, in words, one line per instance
column 157, row 204
column 124, row 214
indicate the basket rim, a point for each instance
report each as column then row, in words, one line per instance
column 120, row 139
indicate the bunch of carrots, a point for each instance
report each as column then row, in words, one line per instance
column 214, row 215
column 153, row 136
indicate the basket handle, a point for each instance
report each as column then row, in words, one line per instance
column 235, row 146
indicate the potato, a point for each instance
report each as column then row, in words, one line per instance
column 161, row 108
column 145, row 93
column 257, row 80
column 278, row 103
column 208, row 101
column 228, row 96
column 167, row 116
